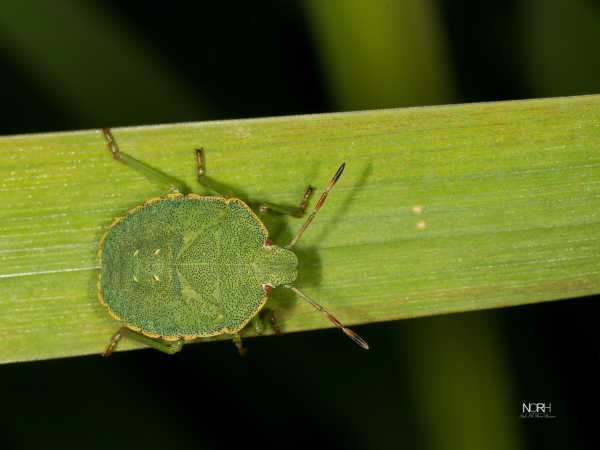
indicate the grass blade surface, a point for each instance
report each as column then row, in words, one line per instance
column 440, row 209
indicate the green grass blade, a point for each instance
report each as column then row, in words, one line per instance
column 440, row 209
column 401, row 45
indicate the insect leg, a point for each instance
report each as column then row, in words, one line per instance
column 289, row 210
column 149, row 171
column 169, row 347
column 257, row 323
column 207, row 182
column 269, row 315
column 237, row 340
column 310, row 218
column 265, row 315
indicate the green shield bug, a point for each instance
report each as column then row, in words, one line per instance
column 182, row 267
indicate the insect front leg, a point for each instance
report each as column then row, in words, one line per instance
column 169, row 347
column 288, row 210
column 266, row 315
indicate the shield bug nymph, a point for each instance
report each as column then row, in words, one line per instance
column 182, row 267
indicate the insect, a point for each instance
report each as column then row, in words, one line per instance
column 182, row 267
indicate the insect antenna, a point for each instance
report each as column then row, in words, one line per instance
column 351, row 334
column 319, row 204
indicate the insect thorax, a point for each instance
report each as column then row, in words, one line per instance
column 275, row 266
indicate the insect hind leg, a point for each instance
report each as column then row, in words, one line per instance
column 169, row 347
column 154, row 174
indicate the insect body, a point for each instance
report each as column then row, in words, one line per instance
column 183, row 267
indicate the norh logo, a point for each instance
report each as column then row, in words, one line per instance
column 536, row 410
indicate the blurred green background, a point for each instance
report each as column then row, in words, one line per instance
column 449, row 382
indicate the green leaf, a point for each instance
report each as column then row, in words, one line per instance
column 440, row 209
